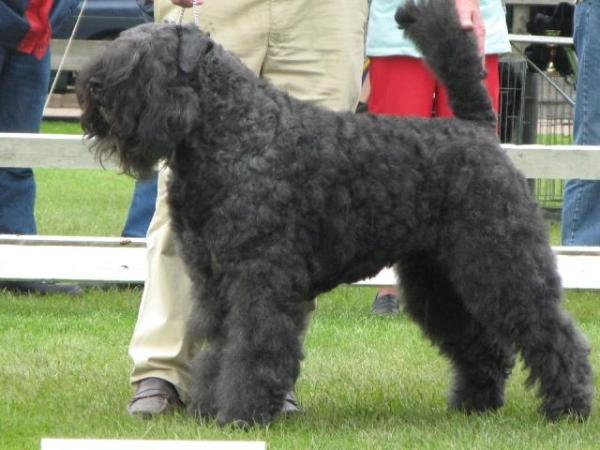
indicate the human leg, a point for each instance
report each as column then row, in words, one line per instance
column 581, row 198
column 315, row 50
column 401, row 86
column 161, row 345
column 23, row 88
column 141, row 208
column 581, row 213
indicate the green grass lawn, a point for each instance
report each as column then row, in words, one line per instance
column 366, row 383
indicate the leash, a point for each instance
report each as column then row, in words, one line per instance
column 195, row 14
column 72, row 38
column 64, row 56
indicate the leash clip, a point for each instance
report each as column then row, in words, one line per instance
column 194, row 13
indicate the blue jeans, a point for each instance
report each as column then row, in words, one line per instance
column 581, row 202
column 141, row 209
column 23, row 88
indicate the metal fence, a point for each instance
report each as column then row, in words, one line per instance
column 536, row 103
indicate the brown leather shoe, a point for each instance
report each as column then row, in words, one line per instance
column 153, row 396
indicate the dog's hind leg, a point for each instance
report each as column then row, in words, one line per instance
column 481, row 364
column 506, row 276
column 261, row 355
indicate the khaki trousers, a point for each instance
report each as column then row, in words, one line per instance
column 313, row 49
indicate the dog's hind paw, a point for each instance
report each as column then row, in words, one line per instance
column 578, row 408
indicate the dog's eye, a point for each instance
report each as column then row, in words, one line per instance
column 95, row 86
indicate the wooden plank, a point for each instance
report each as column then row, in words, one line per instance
column 533, row 39
column 80, row 53
column 70, row 152
column 75, row 241
column 81, row 259
column 47, row 150
column 62, row 113
column 538, row 2
column 556, row 161
column 579, row 268
column 92, row 259
column 147, row 444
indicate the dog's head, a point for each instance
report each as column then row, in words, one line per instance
column 140, row 97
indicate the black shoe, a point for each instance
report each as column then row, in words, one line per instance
column 385, row 305
column 40, row 288
column 110, row 286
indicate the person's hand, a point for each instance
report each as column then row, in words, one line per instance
column 470, row 19
column 186, row 3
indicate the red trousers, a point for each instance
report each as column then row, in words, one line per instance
column 404, row 86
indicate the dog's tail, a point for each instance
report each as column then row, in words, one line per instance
column 451, row 54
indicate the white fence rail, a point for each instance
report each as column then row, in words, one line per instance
column 119, row 260
column 69, row 258
column 71, row 152
column 532, row 39
column 59, row 151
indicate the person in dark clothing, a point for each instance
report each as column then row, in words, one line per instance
column 26, row 27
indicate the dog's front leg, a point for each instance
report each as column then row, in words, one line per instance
column 206, row 327
column 261, row 354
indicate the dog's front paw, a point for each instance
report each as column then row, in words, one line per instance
column 477, row 399
column 202, row 409
column 244, row 421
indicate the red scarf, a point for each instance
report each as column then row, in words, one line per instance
column 37, row 39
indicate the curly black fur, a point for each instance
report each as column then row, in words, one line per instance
column 275, row 201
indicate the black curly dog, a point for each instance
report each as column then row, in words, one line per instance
column 274, row 201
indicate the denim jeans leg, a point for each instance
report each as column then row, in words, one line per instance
column 141, row 209
column 23, row 90
column 581, row 201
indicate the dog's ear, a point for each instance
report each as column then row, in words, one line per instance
column 193, row 45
